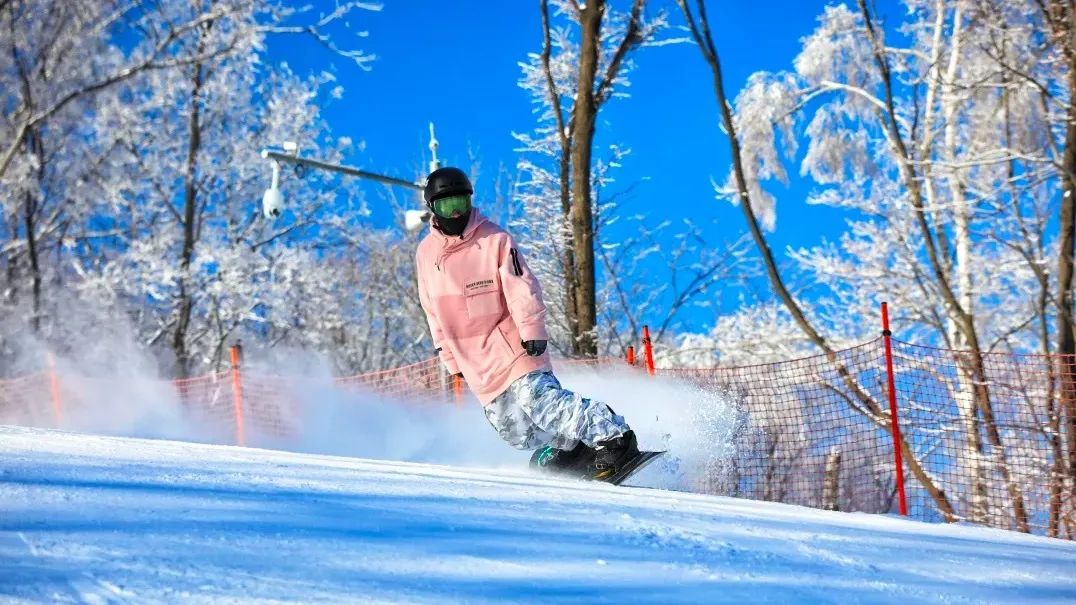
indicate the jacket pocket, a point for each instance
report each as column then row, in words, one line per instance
column 484, row 304
column 506, row 339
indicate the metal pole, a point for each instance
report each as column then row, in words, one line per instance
column 281, row 156
column 893, row 408
column 434, row 162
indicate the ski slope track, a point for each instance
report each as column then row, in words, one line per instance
column 113, row 520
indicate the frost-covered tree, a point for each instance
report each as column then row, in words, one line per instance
column 590, row 252
column 583, row 63
column 1055, row 88
column 58, row 59
column 942, row 138
column 136, row 185
column 200, row 260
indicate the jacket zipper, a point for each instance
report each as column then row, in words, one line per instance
column 441, row 256
column 515, row 263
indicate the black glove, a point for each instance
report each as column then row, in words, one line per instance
column 534, row 348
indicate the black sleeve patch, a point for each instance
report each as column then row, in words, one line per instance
column 515, row 263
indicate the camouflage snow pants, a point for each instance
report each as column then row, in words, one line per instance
column 537, row 411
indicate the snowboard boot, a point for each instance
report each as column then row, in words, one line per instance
column 574, row 461
column 611, row 455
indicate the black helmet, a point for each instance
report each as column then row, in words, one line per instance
column 446, row 181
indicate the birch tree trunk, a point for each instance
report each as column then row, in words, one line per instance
column 1061, row 17
column 965, row 399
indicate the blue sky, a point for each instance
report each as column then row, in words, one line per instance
column 456, row 64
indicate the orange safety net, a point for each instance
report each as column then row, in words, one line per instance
column 810, row 431
column 244, row 406
column 26, row 401
column 981, row 441
column 984, row 440
column 988, row 435
column 425, row 380
column 209, row 401
column 589, row 363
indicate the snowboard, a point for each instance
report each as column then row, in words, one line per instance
column 633, row 466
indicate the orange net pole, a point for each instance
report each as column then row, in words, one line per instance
column 892, row 392
column 649, row 350
column 237, row 398
column 457, row 389
column 54, row 391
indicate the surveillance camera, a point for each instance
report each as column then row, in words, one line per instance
column 414, row 219
column 272, row 203
column 291, row 147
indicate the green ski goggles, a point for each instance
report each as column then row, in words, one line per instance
column 451, row 206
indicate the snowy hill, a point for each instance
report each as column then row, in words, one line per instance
column 106, row 519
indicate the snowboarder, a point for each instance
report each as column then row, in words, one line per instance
column 487, row 319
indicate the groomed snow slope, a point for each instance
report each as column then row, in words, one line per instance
column 105, row 519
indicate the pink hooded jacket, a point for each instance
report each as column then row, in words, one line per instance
column 481, row 301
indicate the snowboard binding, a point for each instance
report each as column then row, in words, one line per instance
column 549, row 459
column 613, row 461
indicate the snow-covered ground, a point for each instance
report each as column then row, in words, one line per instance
column 106, row 519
